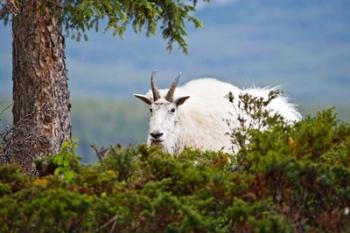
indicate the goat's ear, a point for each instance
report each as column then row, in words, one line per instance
column 181, row 100
column 144, row 98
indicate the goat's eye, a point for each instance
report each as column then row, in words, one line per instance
column 150, row 110
column 172, row 110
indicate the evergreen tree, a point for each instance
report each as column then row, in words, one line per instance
column 41, row 109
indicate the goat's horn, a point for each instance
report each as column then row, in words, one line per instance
column 170, row 95
column 154, row 87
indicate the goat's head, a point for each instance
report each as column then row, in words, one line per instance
column 164, row 115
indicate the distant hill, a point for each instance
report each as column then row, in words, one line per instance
column 100, row 122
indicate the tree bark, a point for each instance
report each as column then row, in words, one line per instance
column 41, row 108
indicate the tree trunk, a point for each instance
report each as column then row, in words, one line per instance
column 41, row 109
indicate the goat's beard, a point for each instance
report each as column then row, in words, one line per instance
column 157, row 143
column 164, row 145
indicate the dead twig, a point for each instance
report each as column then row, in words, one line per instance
column 9, row 6
column 101, row 152
column 7, row 107
column 109, row 222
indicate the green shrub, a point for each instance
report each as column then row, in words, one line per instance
column 289, row 178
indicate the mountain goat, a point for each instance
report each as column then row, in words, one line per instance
column 195, row 115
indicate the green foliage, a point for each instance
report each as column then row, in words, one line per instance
column 144, row 15
column 294, row 178
column 65, row 164
column 253, row 116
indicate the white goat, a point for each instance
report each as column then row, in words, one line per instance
column 194, row 115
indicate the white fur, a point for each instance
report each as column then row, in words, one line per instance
column 200, row 121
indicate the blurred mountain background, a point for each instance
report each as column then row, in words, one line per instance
column 303, row 46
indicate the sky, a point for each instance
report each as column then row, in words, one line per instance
column 303, row 46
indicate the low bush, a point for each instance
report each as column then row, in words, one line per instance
column 287, row 179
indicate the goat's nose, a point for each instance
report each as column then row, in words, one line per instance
column 156, row 134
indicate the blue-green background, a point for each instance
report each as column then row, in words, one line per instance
column 301, row 45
